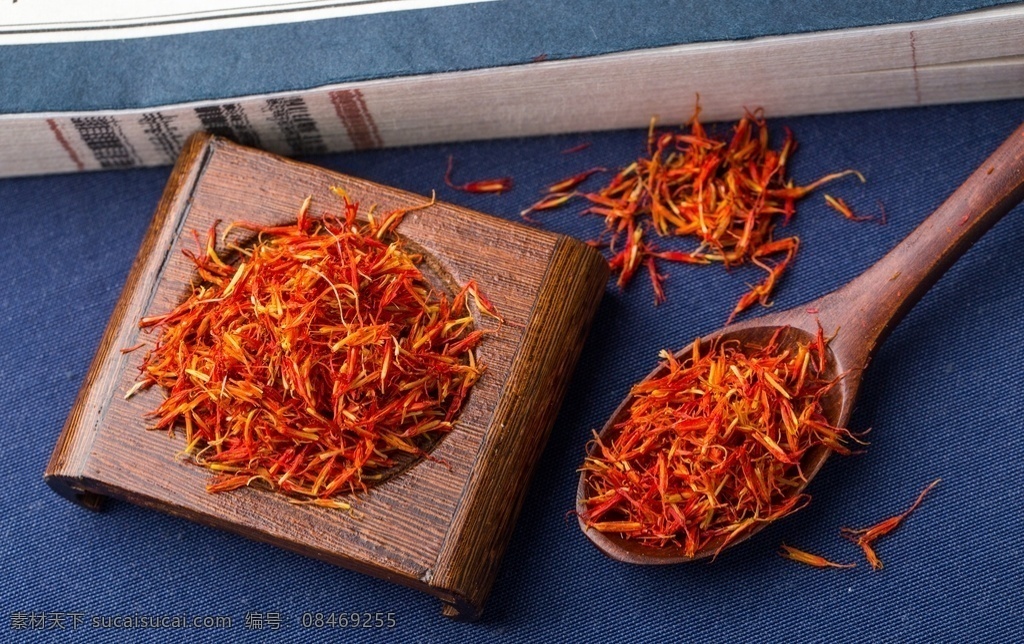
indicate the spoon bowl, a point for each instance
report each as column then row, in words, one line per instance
column 859, row 315
column 751, row 336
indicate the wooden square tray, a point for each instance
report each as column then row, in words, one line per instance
column 442, row 525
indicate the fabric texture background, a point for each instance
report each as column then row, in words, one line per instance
column 148, row 72
column 942, row 399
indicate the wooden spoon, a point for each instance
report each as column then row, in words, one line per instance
column 864, row 312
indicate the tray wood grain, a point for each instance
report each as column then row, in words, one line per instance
column 441, row 525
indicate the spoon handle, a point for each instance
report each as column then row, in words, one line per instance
column 871, row 305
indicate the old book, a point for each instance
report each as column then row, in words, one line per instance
column 113, row 90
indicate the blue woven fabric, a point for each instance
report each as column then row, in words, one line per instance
column 147, row 72
column 943, row 399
